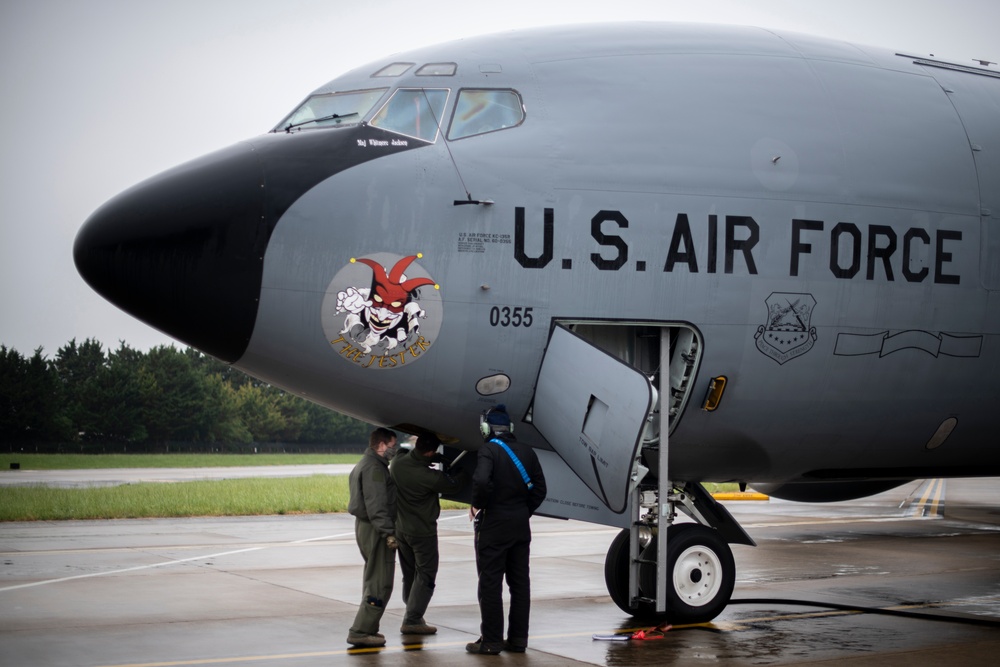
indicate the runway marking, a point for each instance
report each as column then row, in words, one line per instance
column 180, row 561
column 173, row 561
column 399, row 648
column 830, row 522
column 163, row 547
column 934, row 494
column 741, row 625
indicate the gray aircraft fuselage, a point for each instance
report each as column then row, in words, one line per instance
column 819, row 221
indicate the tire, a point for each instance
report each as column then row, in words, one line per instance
column 702, row 573
column 700, row 566
column 616, row 578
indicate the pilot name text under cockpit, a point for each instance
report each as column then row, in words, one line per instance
column 382, row 143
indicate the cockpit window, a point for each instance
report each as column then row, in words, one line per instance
column 395, row 69
column 437, row 69
column 415, row 112
column 331, row 110
column 482, row 111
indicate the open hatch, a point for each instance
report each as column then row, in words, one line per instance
column 602, row 390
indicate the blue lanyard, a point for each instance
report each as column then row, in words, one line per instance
column 517, row 462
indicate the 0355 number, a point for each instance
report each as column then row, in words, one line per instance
column 505, row 316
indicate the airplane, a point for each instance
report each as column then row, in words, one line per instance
column 677, row 254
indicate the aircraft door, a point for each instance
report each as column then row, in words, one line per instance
column 592, row 408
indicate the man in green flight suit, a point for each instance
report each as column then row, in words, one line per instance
column 418, row 486
column 373, row 505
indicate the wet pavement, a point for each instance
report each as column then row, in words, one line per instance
column 283, row 590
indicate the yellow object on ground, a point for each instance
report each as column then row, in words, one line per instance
column 740, row 495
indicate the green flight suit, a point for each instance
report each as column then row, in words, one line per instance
column 373, row 504
column 418, row 486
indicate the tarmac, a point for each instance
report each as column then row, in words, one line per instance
column 908, row 577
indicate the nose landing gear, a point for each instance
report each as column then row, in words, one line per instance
column 699, row 567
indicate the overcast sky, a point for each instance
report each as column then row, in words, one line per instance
column 98, row 95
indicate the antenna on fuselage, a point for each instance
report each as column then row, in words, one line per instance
column 468, row 195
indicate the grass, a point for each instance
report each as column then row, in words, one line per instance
column 92, row 461
column 316, row 494
column 721, row 487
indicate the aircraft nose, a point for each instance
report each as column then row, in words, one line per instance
column 183, row 251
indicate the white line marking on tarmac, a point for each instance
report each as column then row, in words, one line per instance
column 177, row 561
column 180, row 561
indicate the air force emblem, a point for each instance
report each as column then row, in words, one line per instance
column 786, row 333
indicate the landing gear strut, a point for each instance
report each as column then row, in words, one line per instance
column 699, row 568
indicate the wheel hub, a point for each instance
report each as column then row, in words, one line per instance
column 697, row 576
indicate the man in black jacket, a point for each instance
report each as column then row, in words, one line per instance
column 507, row 487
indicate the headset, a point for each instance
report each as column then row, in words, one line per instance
column 489, row 430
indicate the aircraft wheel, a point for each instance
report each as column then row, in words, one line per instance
column 701, row 570
column 616, row 577
column 702, row 573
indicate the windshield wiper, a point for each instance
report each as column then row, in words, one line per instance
column 333, row 116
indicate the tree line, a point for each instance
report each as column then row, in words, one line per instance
column 88, row 398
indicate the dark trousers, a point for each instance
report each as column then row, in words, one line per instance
column 502, row 550
column 418, row 558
